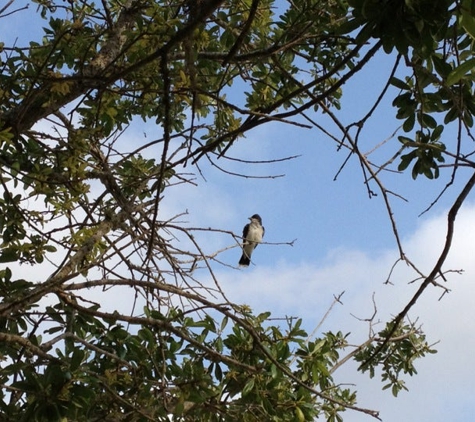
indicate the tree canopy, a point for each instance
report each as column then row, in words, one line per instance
column 82, row 208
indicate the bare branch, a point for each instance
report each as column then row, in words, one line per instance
column 437, row 267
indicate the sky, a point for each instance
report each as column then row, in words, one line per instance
column 343, row 242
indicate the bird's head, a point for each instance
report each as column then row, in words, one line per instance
column 256, row 217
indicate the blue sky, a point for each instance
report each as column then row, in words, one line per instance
column 344, row 243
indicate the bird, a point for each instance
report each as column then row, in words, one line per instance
column 252, row 234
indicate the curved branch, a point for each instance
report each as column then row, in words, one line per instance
column 437, row 267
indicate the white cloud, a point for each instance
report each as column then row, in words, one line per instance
column 443, row 388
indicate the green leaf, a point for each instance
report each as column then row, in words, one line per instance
column 349, row 26
column 299, row 415
column 315, row 373
column 441, row 66
column 218, row 373
column 467, row 20
column 436, row 133
column 409, row 123
column 224, row 322
column 428, row 121
column 468, row 118
column 77, row 358
column 248, row 387
column 9, row 255
column 274, row 371
column 451, row 115
column 398, row 83
column 459, row 72
column 6, row 274
column 405, row 140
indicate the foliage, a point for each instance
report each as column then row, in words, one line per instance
column 82, row 208
column 395, row 357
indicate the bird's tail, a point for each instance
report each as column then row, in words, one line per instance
column 244, row 261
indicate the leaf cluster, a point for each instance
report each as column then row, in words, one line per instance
column 396, row 358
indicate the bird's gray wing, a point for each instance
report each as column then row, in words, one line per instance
column 245, row 231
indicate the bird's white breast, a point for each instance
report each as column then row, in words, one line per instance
column 255, row 233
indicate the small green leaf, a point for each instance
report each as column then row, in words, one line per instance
column 224, row 322
column 428, row 120
column 299, row 414
column 218, row 373
column 468, row 119
column 349, row 26
column 398, row 83
column 408, row 124
column 248, row 387
column 77, row 358
column 451, row 115
column 459, row 72
column 466, row 19
column 274, row 371
column 441, row 66
column 437, row 132
column 405, row 140
column 9, row 255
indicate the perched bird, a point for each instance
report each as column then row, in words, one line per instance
column 252, row 234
